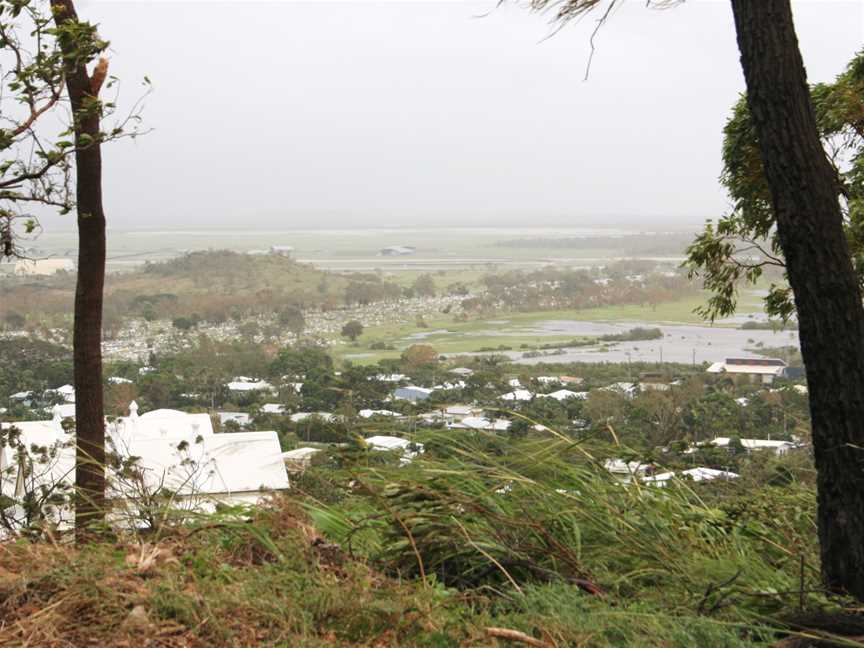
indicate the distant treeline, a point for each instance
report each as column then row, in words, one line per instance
column 556, row 289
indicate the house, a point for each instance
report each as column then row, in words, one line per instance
column 762, row 370
column 242, row 384
column 453, row 413
column 777, row 447
column 409, row 449
column 459, row 384
column 559, row 380
column 412, row 393
column 708, row 474
column 272, row 408
column 240, row 418
column 397, row 250
column 24, row 397
column 517, row 395
column 282, row 250
column 462, row 371
column 627, row 470
column 66, row 392
column 626, row 388
column 118, row 380
column 564, row 394
column 481, row 423
column 369, row 413
column 696, row 474
column 391, row 378
column 327, row 417
column 653, row 381
column 298, row 460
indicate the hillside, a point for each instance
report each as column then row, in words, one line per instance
column 211, row 285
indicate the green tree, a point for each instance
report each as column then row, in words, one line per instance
column 352, row 330
column 49, row 50
column 424, row 286
column 292, row 318
column 301, row 361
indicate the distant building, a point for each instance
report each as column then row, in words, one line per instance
column 296, row 461
column 281, row 250
column 43, row 267
column 397, row 250
column 564, row 394
column 777, row 447
column 412, row 393
column 763, row 370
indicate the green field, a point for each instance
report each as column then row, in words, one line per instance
column 449, row 337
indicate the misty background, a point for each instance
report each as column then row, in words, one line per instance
column 380, row 114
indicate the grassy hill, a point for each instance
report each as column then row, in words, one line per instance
column 212, row 285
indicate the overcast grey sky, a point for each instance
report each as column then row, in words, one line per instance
column 327, row 114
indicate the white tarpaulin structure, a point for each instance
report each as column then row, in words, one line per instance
column 164, row 451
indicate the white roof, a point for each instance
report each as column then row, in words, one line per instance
column 161, row 423
column 461, row 410
column 273, row 408
column 459, row 384
column 462, row 371
column 240, row 417
column 163, row 414
column 387, row 442
column 518, row 395
column 514, row 382
column 119, row 380
column 300, row 453
column 65, row 410
column 760, row 369
column 619, row 466
column 708, row 474
column 191, row 464
column 220, row 464
column 659, row 479
column 624, row 387
column 395, row 443
column 482, row 423
column 369, row 413
column 21, row 395
column 563, row 394
column 249, row 385
column 391, row 377
column 753, row 444
column 302, row 416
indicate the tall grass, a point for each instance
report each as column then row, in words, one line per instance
column 545, row 519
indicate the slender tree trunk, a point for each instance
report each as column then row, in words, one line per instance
column 804, row 192
column 87, row 336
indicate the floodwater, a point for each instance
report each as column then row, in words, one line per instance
column 680, row 343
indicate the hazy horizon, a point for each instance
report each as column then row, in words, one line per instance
column 427, row 114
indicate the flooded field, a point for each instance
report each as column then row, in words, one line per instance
column 680, row 343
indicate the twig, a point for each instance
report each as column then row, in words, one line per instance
column 515, row 635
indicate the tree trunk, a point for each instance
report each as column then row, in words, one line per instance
column 804, row 192
column 87, row 336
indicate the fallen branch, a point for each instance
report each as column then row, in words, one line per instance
column 515, row 635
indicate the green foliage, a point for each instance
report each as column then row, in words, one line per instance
column 29, row 364
column 352, row 330
column 743, row 246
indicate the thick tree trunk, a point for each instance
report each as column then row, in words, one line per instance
column 87, row 336
column 804, row 192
